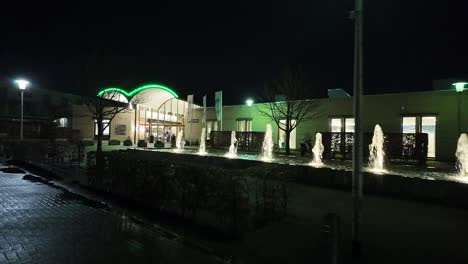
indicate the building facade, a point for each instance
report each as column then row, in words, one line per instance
column 442, row 114
column 160, row 115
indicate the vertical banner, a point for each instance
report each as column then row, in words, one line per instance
column 204, row 110
column 190, row 114
column 189, row 108
column 219, row 108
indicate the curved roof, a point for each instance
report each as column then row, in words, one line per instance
column 130, row 94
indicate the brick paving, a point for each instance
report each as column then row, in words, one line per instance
column 42, row 224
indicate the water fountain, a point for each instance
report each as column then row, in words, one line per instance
column 376, row 153
column 233, row 147
column 202, row 148
column 318, row 151
column 462, row 155
column 267, row 148
column 180, row 142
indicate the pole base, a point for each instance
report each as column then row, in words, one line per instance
column 356, row 249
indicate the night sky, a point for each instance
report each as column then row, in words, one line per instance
column 231, row 46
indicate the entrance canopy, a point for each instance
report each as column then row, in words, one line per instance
column 146, row 93
column 158, row 110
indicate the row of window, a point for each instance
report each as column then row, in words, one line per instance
column 409, row 124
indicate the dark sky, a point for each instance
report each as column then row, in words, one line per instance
column 232, row 46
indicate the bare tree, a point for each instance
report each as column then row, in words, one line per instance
column 286, row 102
column 107, row 107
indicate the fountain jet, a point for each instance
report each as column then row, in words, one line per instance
column 267, row 148
column 376, row 152
column 180, row 142
column 318, row 151
column 462, row 155
column 233, row 147
column 202, row 148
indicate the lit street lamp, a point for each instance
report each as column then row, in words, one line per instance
column 459, row 87
column 22, row 84
column 249, row 102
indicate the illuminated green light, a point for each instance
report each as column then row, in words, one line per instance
column 138, row 90
column 249, row 102
column 112, row 89
column 459, row 86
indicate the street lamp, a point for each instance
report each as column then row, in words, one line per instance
column 22, row 84
column 459, row 87
column 249, row 102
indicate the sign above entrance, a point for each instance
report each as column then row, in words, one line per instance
column 131, row 94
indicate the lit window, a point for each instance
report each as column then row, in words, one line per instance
column 422, row 124
column 336, row 125
column 244, row 125
column 349, row 125
column 105, row 125
column 409, row 124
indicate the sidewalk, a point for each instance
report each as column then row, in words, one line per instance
column 393, row 231
column 43, row 224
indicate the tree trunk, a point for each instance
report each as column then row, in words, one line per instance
column 99, row 156
column 288, row 128
column 99, row 136
column 288, row 136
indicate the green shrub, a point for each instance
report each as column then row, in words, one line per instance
column 114, row 142
column 142, row 144
column 159, row 144
column 128, row 142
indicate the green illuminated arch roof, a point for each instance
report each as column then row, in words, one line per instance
column 129, row 95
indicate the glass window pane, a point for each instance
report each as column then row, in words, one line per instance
column 249, row 125
column 335, row 125
column 349, row 125
column 408, row 124
column 428, row 125
column 240, row 125
column 105, row 123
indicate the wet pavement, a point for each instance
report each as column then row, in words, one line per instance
column 40, row 223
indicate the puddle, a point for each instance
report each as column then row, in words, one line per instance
column 12, row 170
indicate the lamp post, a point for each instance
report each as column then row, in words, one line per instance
column 358, row 16
column 22, row 84
column 249, row 102
column 459, row 87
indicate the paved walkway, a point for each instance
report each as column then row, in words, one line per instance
column 43, row 224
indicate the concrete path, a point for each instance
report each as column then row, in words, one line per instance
column 393, row 231
column 43, row 224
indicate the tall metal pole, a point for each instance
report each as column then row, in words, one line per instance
column 459, row 113
column 21, row 126
column 357, row 146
